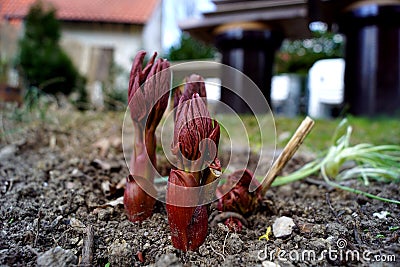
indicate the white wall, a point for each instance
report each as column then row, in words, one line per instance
column 78, row 40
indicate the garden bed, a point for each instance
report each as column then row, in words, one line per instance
column 56, row 179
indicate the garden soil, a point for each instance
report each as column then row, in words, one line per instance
column 58, row 180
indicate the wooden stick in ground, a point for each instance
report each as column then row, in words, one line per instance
column 87, row 250
column 287, row 153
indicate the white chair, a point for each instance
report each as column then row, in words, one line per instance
column 326, row 87
column 285, row 94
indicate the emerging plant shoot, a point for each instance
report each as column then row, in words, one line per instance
column 148, row 98
column 195, row 146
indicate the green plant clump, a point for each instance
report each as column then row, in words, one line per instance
column 189, row 48
column 42, row 61
column 298, row 56
column 364, row 161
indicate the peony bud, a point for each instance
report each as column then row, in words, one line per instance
column 148, row 98
column 194, row 84
column 234, row 195
column 195, row 145
column 138, row 200
column 196, row 135
column 148, row 90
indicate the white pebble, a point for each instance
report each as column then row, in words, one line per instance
column 283, row 226
column 382, row 214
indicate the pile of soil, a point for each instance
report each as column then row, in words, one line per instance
column 58, row 180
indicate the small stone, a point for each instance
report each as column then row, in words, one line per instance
column 74, row 161
column 330, row 239
column 234, row 245
column 104, row 214
column 146, row 246
column 76, row 224
column 8, row 152
column 57, row 257
column 203, row 251
column 76, row 173
column 220, row 231
column 319, row 244
column 100, row 164
column 297, row 238
column 120, row 253
column 269, row 264
column 54, row 174
column 69, row 185
column 55, row 222
column 283, row 226
column 79, row 200
column 105, row 187
column 170, row 249
column 336, row 229
column 318, row 229
column 74, row 240
column 306, row 228
column 381, row 215
column 170, row 260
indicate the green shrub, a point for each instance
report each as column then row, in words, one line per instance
column 298, row 56
column 189, row 48
column 42, row 61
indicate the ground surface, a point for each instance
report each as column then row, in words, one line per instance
column 56, row 179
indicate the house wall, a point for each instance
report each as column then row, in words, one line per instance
column 83, row 41
column 94, row 47
column 9, row 47
column 9, row 35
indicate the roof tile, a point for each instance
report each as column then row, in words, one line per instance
column 117, row 11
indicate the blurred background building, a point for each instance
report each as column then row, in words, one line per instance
column 248, row 33
column 95, row 33
column 261, row 38
column 102, row 36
